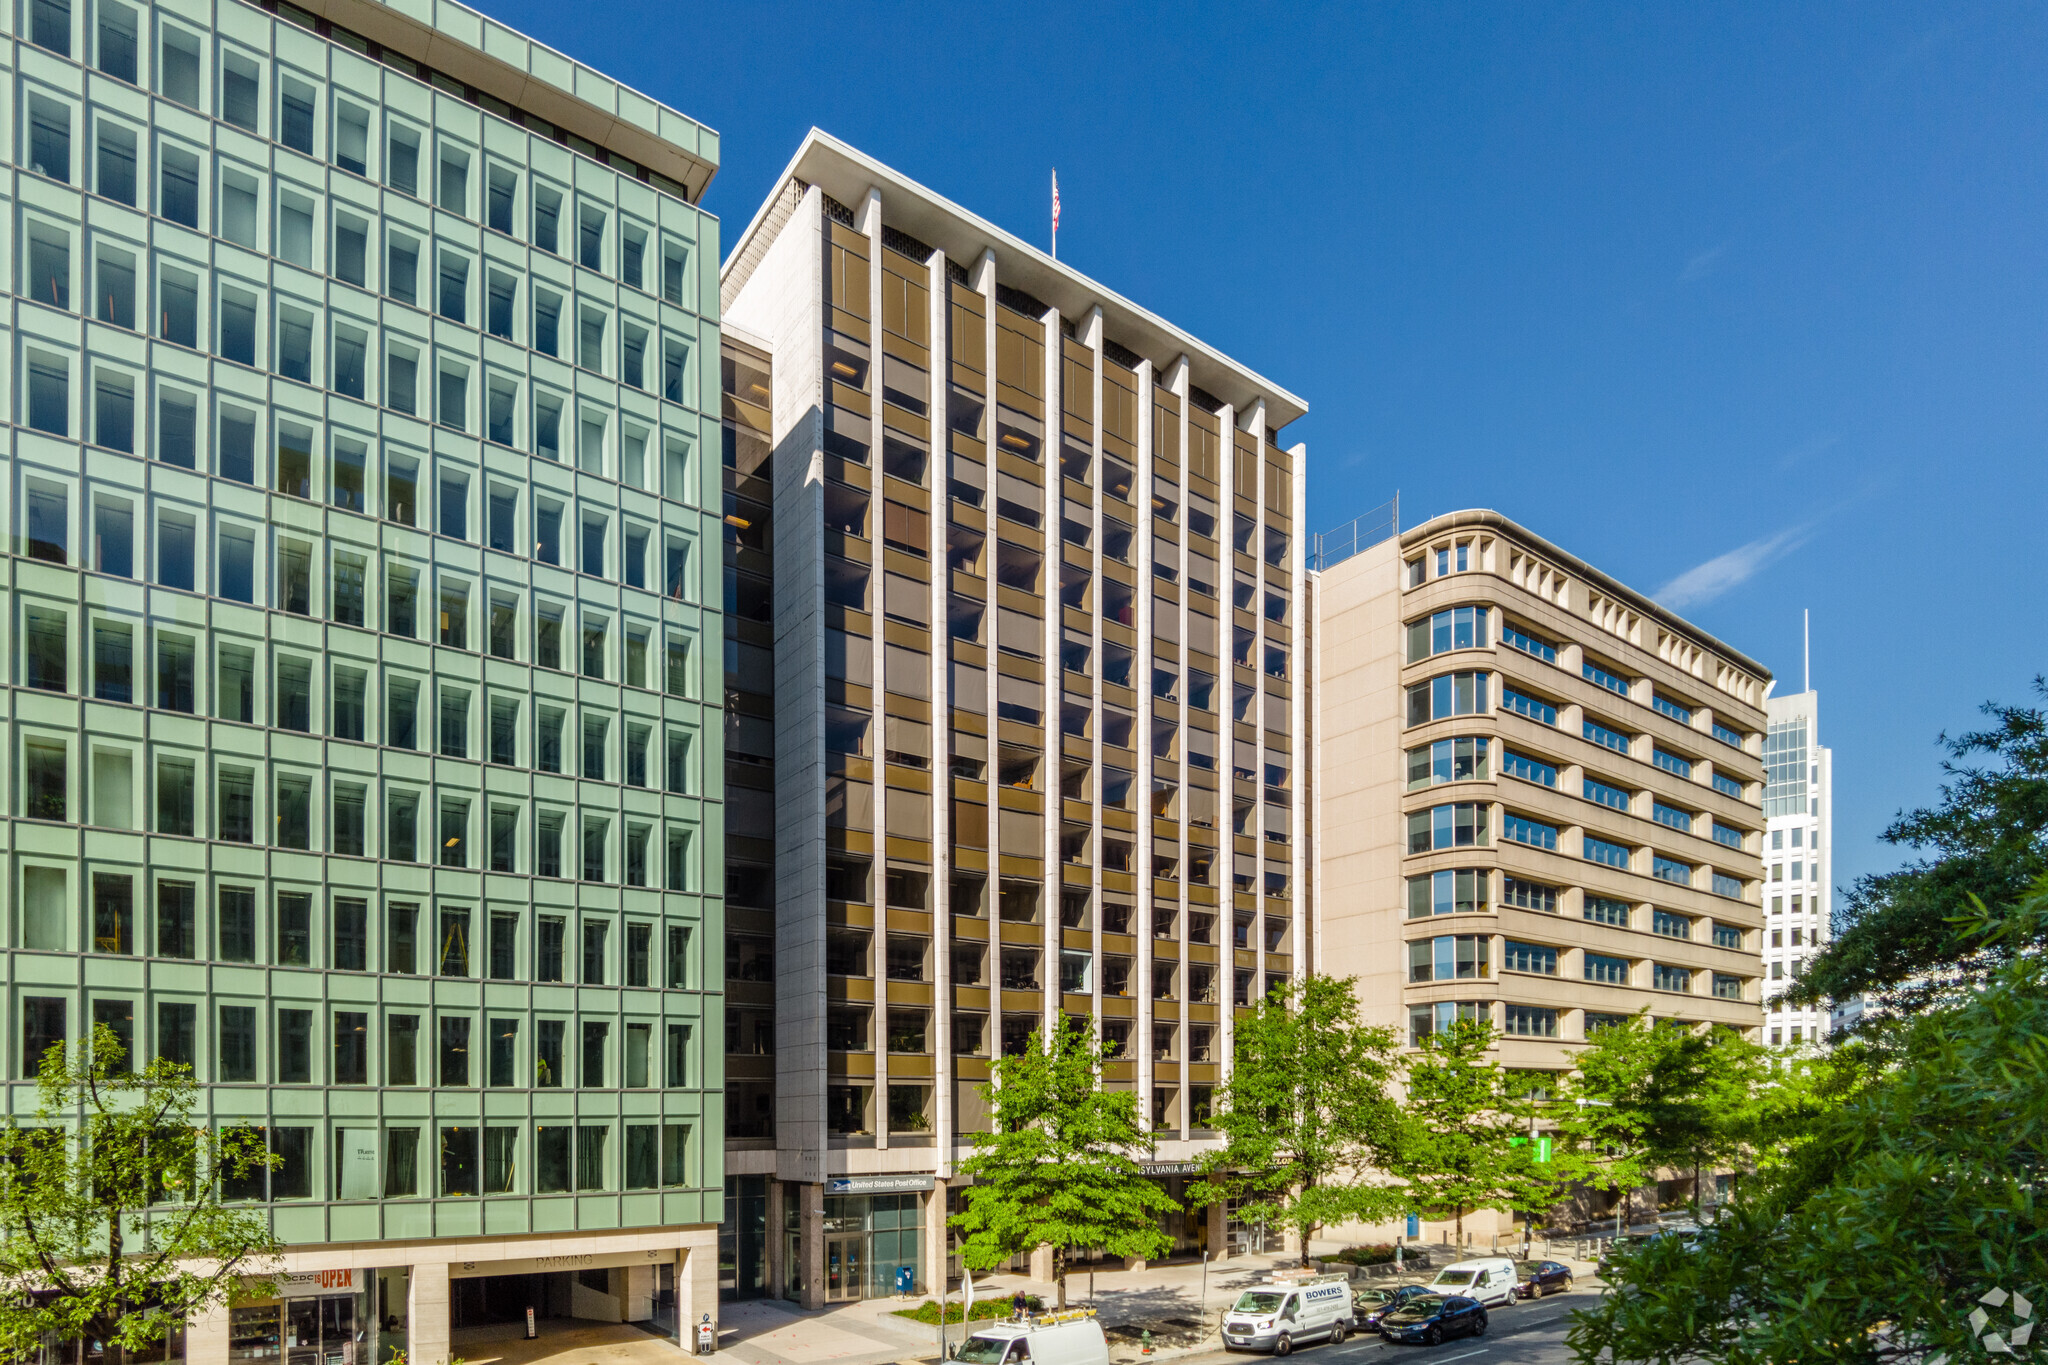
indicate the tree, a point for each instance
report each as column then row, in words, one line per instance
column 1306, row 1117
column 1463, row 1147
column 1058, row 1168
column 111, row 1223
column 1895, row 1211
column 1900, row 933
column 1646, row 1095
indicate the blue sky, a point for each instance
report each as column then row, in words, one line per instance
column 1744, row 304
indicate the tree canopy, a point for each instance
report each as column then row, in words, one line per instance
column 1060, row 1167
column 1458, row 1149
column 1901, row 935
column 111, row 1224
column 1885, row 1217
column 1306, row 1116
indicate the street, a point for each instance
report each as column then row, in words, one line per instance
column 1524, row 1334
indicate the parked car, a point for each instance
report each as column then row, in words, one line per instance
column 1537, row 1278
column 1373, row 1303
column 1434, row 1318
column 1489, row 1279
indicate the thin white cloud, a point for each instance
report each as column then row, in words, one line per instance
column 1704, row 582
column 1701, row 264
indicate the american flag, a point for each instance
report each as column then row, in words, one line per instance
column 1055, row 212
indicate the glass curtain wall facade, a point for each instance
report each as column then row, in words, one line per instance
column 361, row 589
column 1036, row 696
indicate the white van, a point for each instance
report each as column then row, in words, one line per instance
column 1070, row 1338
column 1289, row 1309
column 1490, row 1279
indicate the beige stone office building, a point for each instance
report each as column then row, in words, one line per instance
column 1015, row 710
column 1539, row 794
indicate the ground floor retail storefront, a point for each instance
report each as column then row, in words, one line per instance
column 873, row 1236
column 374, row 1304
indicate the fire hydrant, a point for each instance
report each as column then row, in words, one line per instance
column 1145, row 1342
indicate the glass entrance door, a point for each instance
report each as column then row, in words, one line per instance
column 843, row 1268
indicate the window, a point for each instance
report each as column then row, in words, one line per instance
column 1523, row 830
column 1727, row 936
column 1529, row 1021
column 178, row 201
column 1607, row 971
column 1665, row 978
column 49, row 139
column 1458, row 628
column 1732, row 738
column 1452, row 694
column 1524, row 705
column 49, row 403
column 1451, row 957
column 1670, row 870
column 113, row 668
column 1671, row 763
column 1676, row 710
column 1604, row 677
column 1728, row 786
column 1461, row 891
column 1605, row 852
column 114, row 296
column 1425, row 1021
column 1529, row 895
column 1606, row 910
column 1670, row 925
column 1727, row 987
column 114, row 177
column 1462, row 825
column 1529, row 957
column 452, row 185
column 1527, row 642
column 1731, row 887
column 1727, row 835
column 1447, row 760
column 402, row 159
column 1606, row 737
column 1671, row 816
column 1528, row 769
column 116, row 45
column 1606, row 794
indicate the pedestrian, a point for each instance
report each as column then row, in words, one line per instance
column 1020, row 1306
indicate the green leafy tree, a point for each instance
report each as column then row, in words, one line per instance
column 1464, row 1146
column 1306, row 1118
column 1899, row 934
column 1915, row 1191
column 1646, row 1095
column 1060, row 1167
column 111, row 1224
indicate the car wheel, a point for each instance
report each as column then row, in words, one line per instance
column 1337, row 1335
column 1479, row 1327
column 1433, row 1337
column 1284, row 1346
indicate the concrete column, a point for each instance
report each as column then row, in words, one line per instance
column 1219, row 1232
column 427, row 1314
column 935, row 1240
column 812, row 1235
column 206, row 1338
column 1041, row 1265
column 697, row 1291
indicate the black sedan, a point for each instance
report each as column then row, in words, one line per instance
column 1374, row 1303
column 1538, row 1278
column 1433, row 1318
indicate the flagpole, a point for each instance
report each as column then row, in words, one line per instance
column 1055, row 213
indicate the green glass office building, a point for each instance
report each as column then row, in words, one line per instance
column 363, row 640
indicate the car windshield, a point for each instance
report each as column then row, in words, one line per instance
column 1423, row 1305
column 981, row 1350
column 1455, row 1277
column 1371, row 1296
column 1252, row 1301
